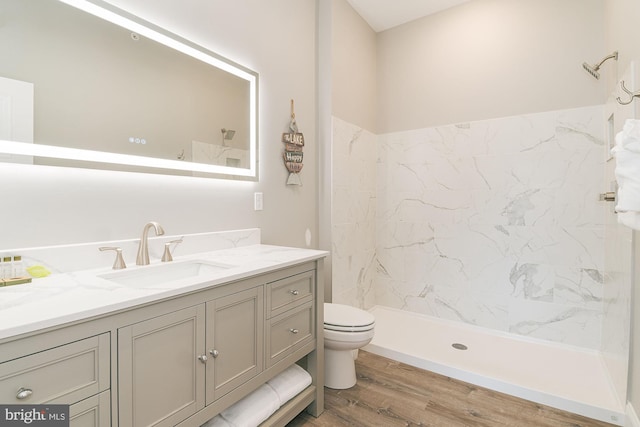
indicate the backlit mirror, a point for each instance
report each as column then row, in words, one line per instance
column 85, row 84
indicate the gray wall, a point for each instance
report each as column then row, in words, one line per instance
column 354, row 53
column 489, row 58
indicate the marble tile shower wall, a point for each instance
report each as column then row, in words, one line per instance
column 495, row 223
column 353, row 258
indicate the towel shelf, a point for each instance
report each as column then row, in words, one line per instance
column 292, row 408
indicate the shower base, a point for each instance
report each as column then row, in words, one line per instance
column 561, row 376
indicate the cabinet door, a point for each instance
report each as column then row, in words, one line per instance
column 92, row 412
column 160, row 374
column 234, row 341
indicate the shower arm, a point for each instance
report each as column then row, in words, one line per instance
column 593, row 69
column 614, row 55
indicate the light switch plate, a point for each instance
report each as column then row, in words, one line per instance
column 257, row 201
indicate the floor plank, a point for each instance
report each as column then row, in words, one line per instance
column 390, row 393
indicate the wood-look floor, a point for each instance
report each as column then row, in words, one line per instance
column 390, row 393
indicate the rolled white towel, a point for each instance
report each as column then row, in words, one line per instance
column 630, row 219
column 216, row 421
column 252, row 409
column 290, row 382
column 627, row 154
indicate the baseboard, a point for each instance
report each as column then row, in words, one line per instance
column 632, row 419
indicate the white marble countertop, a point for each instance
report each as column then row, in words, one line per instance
column 67, row 297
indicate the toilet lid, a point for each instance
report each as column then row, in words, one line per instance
column 340, row 317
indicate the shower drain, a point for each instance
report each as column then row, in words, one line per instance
column 459, row 346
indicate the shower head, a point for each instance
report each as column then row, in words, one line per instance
column 593, row 69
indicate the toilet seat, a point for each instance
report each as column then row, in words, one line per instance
column 340, row 328
column 352, row 339
column 345, row 318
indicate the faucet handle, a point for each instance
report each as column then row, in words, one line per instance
column 166, row 256
column 118, row 264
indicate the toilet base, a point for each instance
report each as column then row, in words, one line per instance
column 339, row 368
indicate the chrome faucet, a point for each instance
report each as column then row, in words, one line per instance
column 143, row 249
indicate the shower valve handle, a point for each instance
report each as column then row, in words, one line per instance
column 609, row 196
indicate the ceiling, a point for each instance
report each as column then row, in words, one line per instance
column 384, row 14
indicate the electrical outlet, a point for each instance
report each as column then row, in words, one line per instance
column 257, row 201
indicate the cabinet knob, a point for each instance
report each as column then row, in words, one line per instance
column 214, row 353
column 23, row 393
column 203, row 358
column 293, row 331
column 294, row 292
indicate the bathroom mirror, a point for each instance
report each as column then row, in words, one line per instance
column 85, row 84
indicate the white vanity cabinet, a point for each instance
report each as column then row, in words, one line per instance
column 179, row 360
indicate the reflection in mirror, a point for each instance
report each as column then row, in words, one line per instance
column 77, row 90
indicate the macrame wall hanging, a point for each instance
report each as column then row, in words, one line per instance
column 293, row 144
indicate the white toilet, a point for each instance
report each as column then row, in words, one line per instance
column 346, row 329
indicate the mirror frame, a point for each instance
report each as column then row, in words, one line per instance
column 135, row 24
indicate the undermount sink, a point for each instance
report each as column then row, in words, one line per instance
column 164, row 273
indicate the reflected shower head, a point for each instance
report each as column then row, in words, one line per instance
column 228, row 134
column 593, row 69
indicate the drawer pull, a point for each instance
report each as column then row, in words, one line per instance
column 23, row 393
column 294, row 292
column 293, row 331
column 214, row 353
column 203, row 358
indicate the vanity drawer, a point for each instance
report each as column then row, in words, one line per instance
column 284, row 294
column 61, row 375
column 288, row 332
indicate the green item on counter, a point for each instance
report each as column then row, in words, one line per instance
column 38, row 271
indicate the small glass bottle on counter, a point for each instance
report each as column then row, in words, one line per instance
column 7, row 267
column 18, row 268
